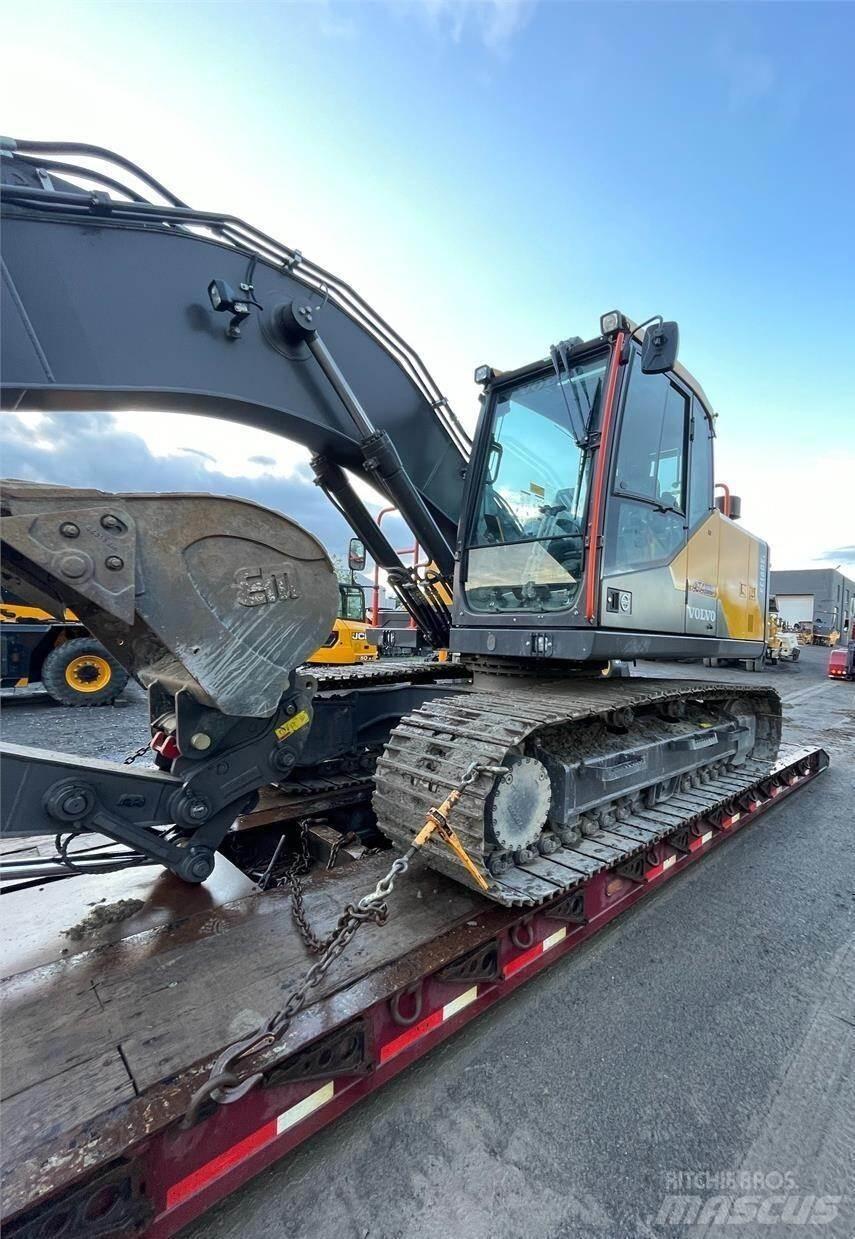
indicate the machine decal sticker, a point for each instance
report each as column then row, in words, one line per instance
column 701, row 587
column 292, row 725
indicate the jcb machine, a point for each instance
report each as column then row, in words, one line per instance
column 348, row 642
column 578, row 527
column 72, row 667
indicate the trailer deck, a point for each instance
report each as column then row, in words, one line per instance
column 108, row 1034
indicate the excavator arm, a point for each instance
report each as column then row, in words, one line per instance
column 212, row 603
column 116, row 295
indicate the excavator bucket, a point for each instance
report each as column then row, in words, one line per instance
column 216, row 595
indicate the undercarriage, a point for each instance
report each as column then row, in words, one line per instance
column 593, row 772
column 213, row 604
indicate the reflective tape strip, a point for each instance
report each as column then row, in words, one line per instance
column 534, row 952
column 304, row 1108
column 668, row 862
column 428, row 1024
column 237, row 1153
column 458, row 1003
column 701, row 841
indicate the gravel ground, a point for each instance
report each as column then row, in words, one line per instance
column 29, row 716
column 707, row 1032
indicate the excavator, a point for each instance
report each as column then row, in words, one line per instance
column 577, row 526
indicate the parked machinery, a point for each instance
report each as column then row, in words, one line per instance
column 781, row 646
column 578, row 527
column 37, row 647
column 841, row 662
column 351, row 640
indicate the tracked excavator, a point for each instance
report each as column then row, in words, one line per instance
column 577, row 526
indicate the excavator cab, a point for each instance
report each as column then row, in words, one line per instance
column 589, row 529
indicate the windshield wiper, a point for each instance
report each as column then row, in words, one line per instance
column 560, row 354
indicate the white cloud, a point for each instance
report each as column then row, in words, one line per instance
column 494, row 23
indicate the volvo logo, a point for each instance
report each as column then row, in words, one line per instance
column 701, row 613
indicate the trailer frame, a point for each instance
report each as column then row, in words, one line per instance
column 138, row 1169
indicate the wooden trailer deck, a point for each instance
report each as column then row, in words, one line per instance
column 92, row 1022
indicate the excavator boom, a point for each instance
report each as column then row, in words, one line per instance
column 128, row 299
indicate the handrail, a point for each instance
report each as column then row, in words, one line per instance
column 227, row 229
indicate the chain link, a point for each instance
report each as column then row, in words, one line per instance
column 300, row 865
column 141, row 752
column 341, row 841
column 223, row 1085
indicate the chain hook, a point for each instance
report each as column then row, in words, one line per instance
column 223, row 1085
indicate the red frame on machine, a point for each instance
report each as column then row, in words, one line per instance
column 170, row 1178
column 599, row 486
column 413, row 550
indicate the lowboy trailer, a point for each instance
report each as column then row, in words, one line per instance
column 110, row 1031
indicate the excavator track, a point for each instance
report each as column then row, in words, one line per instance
column 374, row 674
column 596, row 725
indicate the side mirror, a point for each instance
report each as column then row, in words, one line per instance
column 659, row 350
column 729, row 505
column 356, row 555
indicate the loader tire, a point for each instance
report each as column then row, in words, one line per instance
column 82, row 673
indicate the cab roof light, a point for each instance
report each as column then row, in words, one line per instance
column 612, row 322
column 484, row 375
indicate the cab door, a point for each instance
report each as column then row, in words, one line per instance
column 644, row 564
column 703, row 606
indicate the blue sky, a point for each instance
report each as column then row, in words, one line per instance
column 494, row 176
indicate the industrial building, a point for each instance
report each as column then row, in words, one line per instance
column 823, row 595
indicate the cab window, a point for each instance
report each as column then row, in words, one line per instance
column 526, row 543
column 652, row 453
column 701, row 466
column 352, row 602
column 647, row 525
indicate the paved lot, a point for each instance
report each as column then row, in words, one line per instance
column 708, row 1032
